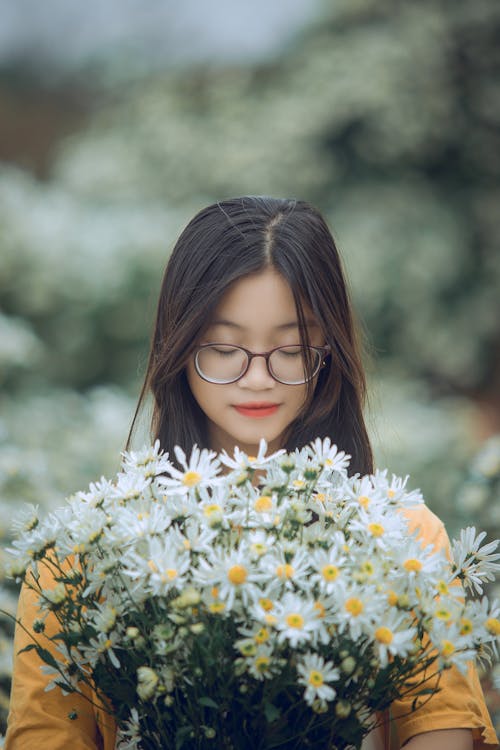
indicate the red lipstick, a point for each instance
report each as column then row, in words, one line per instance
column 256, row 408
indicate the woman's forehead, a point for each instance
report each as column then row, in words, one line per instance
column 263, row 299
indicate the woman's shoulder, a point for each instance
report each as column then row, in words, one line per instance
column 429, row 527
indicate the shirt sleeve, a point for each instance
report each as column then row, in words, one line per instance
column 48, row 720
column 459, row 703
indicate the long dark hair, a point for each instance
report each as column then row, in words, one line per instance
column 223, row 243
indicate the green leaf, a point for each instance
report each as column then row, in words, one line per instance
column 182, row 736
column 47, row 657
column 30, row 647
column 271, row 712
column 208, row 702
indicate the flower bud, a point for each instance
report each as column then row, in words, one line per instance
column 348, row 665
column 342, row 709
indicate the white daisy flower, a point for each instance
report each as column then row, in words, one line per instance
column 231, row 573
column 240, row 460
column 289, row 570
column 419, row 564
column 315, row 673
column 327, row 566
column 148, row 461
column 452, row 648
column 159, row 567
column 296, row 619
column 475, row 564
column 395, row 489
column 179, row 505
column 391, row 637
column 98, row 494
column 378, row 528
column 202, row 469
column 326, row 453
column 356, row 608
column 129, row 486
column 260, row 542
column 102, row 646
column 263, row 664
column 193, row 536
column 138, row 520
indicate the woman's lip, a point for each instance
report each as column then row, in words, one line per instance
column 256, row 410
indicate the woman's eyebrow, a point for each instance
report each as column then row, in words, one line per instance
column 282, row 327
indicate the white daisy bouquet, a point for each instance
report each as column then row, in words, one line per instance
column 280, row 604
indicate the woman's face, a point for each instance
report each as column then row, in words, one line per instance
column 258, row 313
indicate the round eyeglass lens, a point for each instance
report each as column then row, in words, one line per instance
column 221, row 363
column 294, row 364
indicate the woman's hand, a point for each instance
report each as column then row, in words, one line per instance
column 441, row 739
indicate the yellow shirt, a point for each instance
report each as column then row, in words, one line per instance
column 39, row 720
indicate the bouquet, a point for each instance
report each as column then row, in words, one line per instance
column 251, row 601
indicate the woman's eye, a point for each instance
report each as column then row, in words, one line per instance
column 291, row 353
column 224, row 352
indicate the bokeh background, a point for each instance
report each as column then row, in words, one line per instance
column 119, row 120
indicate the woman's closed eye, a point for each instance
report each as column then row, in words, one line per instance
column 226, row 351
column 291, row 351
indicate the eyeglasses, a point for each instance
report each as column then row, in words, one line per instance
column 290, row 365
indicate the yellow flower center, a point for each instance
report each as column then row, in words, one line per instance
column 384, row 635
column 447, row 648
column 412, row 565
column 259, row 548
column 466, row 626
column 271, row 619
column 367, row 568
column 392, row 598
column 248, row 648
column 493, row 626
column 266, row 604
column 443, row 614
column 251, row 459
column 237, row 574
column 171, row 573
column 285, row 571
column 191, row 478
column 390, row 493
column 354, row 606
column 320, row 497
column 214, row 591
column 262, row 635
column 263, row 504
column 153, row 566
column 209, row 510
column 217, row 607
column 330, row 572
column 294, row 620
column 376, row 529
column 262, row 663
column 321, row 609
column 298, row 483
column 442, row 587
column 315, row 678
column 364, row 501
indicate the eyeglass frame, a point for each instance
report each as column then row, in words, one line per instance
column 325, row 350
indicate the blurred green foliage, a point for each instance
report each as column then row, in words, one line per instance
column 385, row 115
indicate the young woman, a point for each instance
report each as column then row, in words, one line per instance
column 254, row 338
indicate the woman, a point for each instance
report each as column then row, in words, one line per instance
column 254, row 338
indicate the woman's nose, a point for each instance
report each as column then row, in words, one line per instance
column 257, row 375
